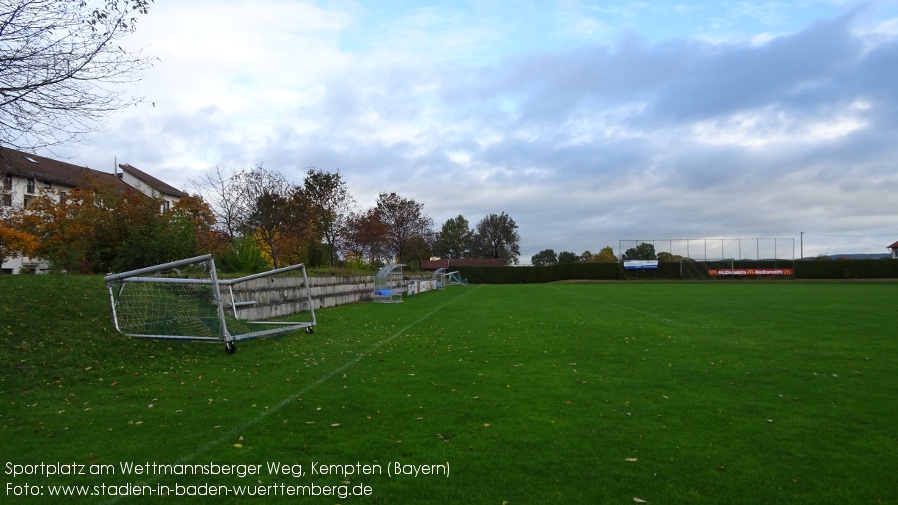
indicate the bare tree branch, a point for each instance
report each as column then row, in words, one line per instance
column 62, row 68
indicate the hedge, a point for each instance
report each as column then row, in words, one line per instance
column 836, row 269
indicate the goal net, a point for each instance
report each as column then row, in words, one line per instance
column 185, row 300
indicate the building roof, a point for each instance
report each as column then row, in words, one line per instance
column 893, row 246
column 152, row 182
column 49, row 170
column 45, row 169
column 462, row 262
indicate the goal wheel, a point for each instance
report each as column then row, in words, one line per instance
column 310, row 330
column 230, row 348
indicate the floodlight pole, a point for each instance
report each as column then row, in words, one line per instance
column 801, row 247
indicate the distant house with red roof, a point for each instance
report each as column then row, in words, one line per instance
column 462, row 262
column 894, row 249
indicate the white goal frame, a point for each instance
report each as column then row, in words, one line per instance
column 209, row 315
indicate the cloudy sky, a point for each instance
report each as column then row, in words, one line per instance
column 588, row 122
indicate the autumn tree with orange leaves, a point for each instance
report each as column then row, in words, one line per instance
column 101, row 228
column 202, row 219
column 13, row 240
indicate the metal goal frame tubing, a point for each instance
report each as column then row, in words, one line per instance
column 135, row 276
column 158, row 268
column 230, row 283
column 139, row 276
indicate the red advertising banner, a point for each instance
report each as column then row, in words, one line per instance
column 751, row 272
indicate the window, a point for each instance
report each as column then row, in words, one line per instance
column 7, row 190
column 47, row 185
column 29, row 187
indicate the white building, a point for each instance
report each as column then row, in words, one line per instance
column 25, row 176
column 149, row 185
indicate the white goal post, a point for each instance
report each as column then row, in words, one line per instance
column 185, row 300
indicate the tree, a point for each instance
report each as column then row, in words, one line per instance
column 544, row 257
column 643, row 251
column 225, row 197
column 606, row 255
column 405, row 220
column 273, row 210
column 100, row 228
column 13, row 240
column 586, row 256
column 278, row 220
column 496, row 236
column 243, row 255
column 62, row 67
column 330, row 201
column 568, row 257
column 454, row 238
column 365, row 236
column 416, row 251
column 202, row 219
column 666, row 257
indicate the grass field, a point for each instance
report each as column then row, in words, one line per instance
column 561, row 393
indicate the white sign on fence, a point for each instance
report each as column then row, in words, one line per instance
column 640, row 264
column 415, row 287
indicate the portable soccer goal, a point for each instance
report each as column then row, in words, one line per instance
column 454, row 279
column 185, row 300
column 444, row 278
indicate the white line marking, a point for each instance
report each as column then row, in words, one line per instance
column 229, row 434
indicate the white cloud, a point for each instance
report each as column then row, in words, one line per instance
column 584, row 135
column 761, row 128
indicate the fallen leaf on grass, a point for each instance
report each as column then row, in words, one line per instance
column 638, row 500
column 239, row 446
column 631, row 460
column 335, row 425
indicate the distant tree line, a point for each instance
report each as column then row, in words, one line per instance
column 549, row 257
column 318, row 222
column 646, row 251
column 642, row 251
column 250, row 219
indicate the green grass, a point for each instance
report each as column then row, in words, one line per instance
column 561, row 393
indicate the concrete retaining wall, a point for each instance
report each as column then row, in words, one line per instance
column 277, row 297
